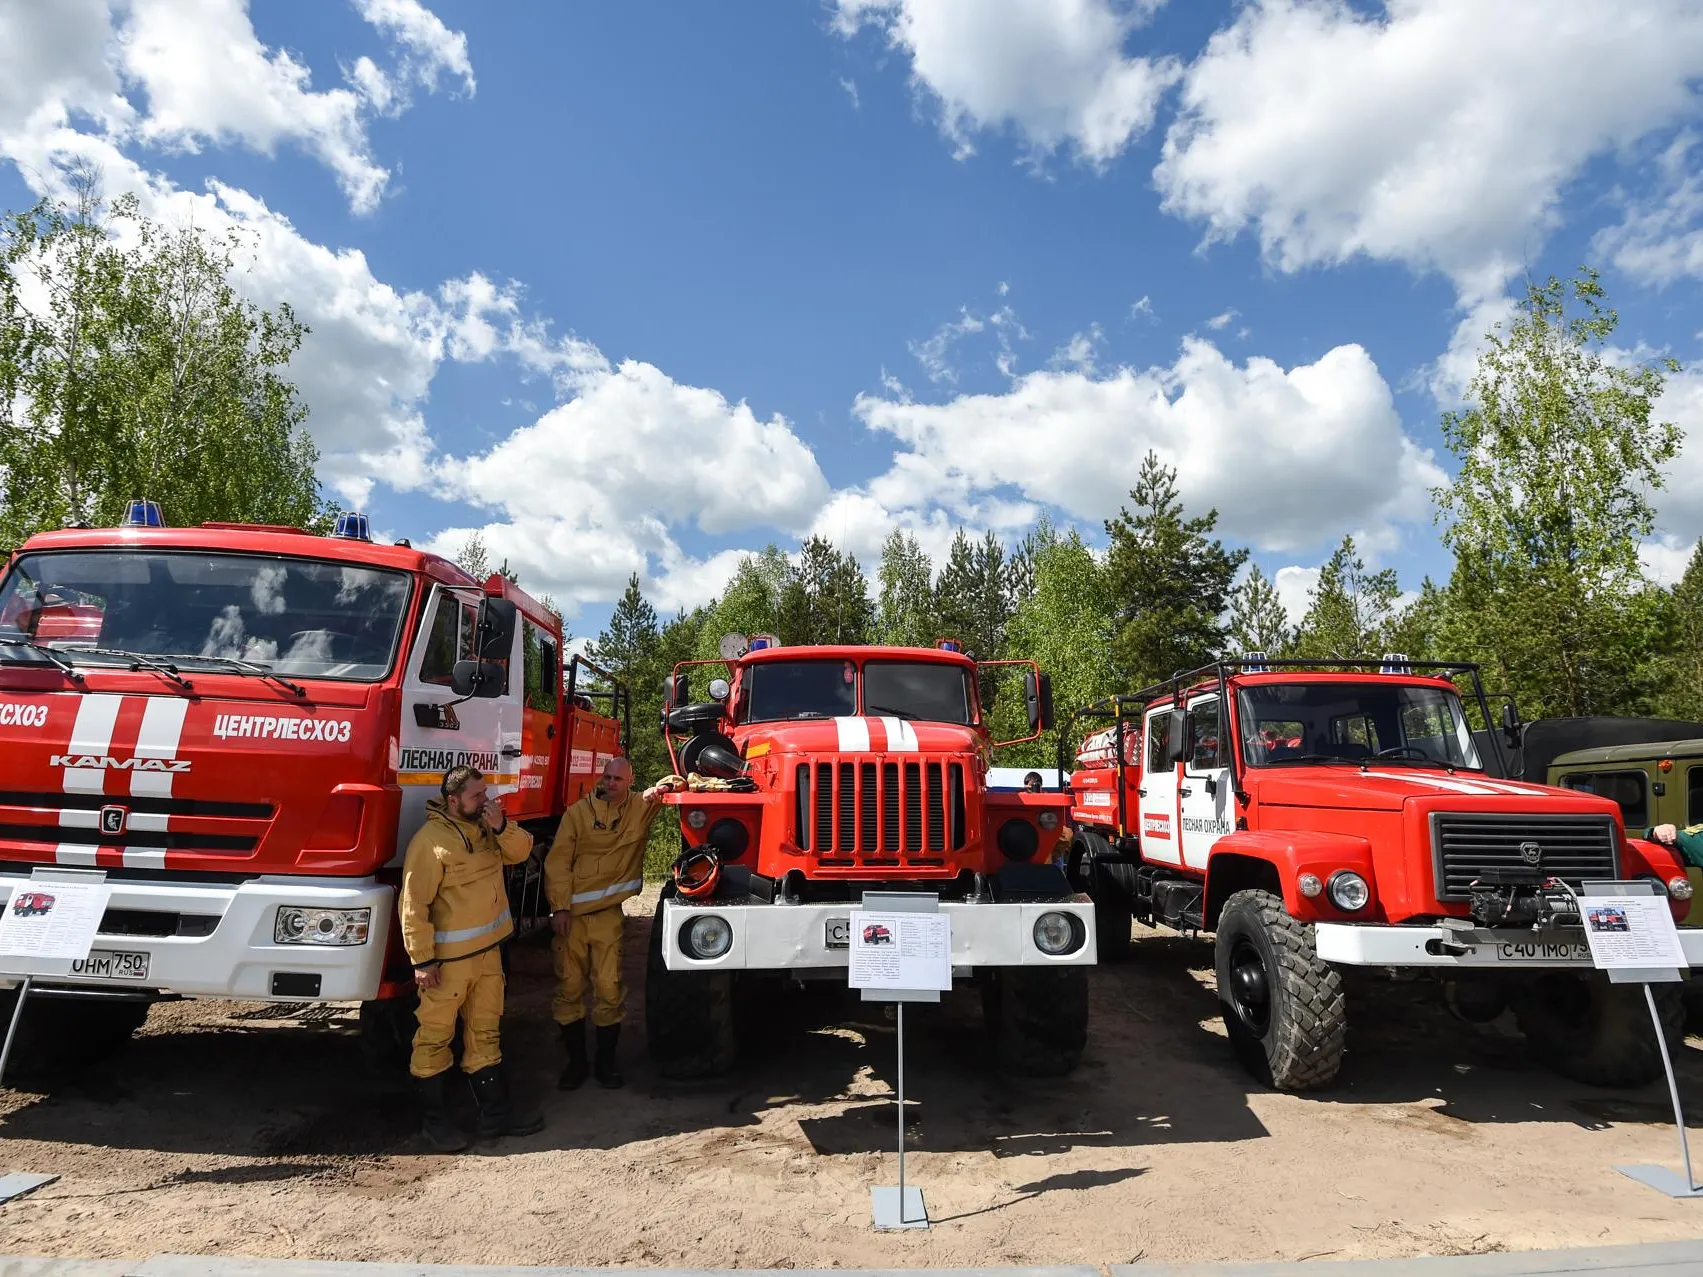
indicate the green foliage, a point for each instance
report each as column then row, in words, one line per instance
column 1679, row 675
column 904, row 613
column 1258, row 620
column 825, row 598
column 137, row 372
column 1171, row 579
column 1349, row 611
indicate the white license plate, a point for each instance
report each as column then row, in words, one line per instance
column 112, row 964
column 838, row 933
column 1542, row 951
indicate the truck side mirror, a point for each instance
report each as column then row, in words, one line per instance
column 476, row 678
column 1177, row 736
column 1512, row 729
column 1038, row 700
column 497, row 618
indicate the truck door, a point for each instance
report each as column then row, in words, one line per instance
column 1156, row 825
column 1206, row 810
column 540, row 761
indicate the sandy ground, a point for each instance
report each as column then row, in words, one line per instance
column 249, row 1129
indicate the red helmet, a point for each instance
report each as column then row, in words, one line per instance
column 697, row 873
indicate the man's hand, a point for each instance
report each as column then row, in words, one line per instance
column 493, row 816
column 1667, row 835
column 667, row 785
column 560, row 921
column 427, row 977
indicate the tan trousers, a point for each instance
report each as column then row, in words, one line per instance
column 591, row 950
column 473, row 989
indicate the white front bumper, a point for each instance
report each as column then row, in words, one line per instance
column 239, row 958
column 774, row 937
column 1359, row 945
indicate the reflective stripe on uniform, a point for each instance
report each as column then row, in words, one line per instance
column 472, row 933
column 585, row 897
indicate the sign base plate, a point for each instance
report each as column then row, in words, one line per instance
column 1662, row 1180
column 890, row 1214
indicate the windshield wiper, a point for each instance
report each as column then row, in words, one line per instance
column 896, row 713
column 1422, row 760
column 53, row 658
column 259, row 671
column 1306, row 758
column 140, row 661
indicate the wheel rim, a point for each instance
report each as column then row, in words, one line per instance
column 1250, row 987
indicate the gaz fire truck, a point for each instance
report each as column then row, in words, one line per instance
column 238, row 728
column 821, row 773
column 1319, row 816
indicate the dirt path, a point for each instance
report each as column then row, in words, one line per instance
column 223, row 1129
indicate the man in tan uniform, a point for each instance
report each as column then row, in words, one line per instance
column 455, row 915
column 596, row 862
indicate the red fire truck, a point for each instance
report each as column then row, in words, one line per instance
column 1326, row 815
column 239, row 727
column 844, row 770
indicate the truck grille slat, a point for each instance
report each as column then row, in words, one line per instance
column 1467, row 845
column 879, row 813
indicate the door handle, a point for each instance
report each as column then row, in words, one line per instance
column 1141, row 793
column 511, row 751
column 1184, row 790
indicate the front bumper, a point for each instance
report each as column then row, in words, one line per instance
column 238, row 958
column 777, row 937
column 1360, row 945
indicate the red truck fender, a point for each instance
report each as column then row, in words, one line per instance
column 1274, row 860
column 1645, row 857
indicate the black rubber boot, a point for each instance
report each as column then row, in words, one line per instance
column 441, row 1134
column 579, row 1067
column 497, row 1116
column 604, row 1070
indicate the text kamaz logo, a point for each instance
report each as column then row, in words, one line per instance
column 106, row 762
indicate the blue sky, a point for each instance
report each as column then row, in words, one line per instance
column 639, row 286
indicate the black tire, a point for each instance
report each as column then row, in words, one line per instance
column 1090, row 856
column 387, row 1035
column 62, row 1034
column 1284, row 1010
column 689, row 1015
column 1599, row 1033
column 1037, row 1017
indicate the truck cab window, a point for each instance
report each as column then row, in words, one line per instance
column 542, row 672
column 1203, row 731
column 1629, row 789
column 1694, row 795
column 775, row 691
column 1156, row 743
column 928, row 690
column 449, row 638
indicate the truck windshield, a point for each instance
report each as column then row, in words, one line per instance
column 778, row 690
column 290, row 616
column 917, row 689
column 1308, row 722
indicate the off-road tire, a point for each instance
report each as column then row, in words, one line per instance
column 689, row 1015
column 1298, row 1043
column 1598, row 1033
column 1113, row 916
column 387, row 1035
column 62, row 1034
column 1037, row 1018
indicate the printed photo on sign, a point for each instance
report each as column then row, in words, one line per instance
column 1608, row 918
column 50, row 921
column 900, row 951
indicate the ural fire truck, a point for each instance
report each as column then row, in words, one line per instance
column 1333, row 815
column 239, row 727
column 820, row 773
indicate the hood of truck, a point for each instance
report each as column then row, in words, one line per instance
column 862, row 734
column 1381, row 788
column 235, row 777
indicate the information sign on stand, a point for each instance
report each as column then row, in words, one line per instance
column 901, row 951
column 46, row 925
column 1632, row 937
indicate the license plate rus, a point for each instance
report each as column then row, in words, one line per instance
column 111, row 964
column 838, row 933
column 1542, row 951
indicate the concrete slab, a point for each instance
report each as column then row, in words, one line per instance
column 41, row 1266
column 1656, row 1259
column 226, row 1266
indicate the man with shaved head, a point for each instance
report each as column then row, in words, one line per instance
column 596, row 862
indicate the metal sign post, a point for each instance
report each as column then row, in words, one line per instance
column 1632, row 937
column 900, row 968
column 46, row 928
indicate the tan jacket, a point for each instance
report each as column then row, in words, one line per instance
column 454, row 901
column 598, row 858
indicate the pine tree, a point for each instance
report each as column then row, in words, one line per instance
column 1172, row 581
column 1258, row 620
column 905, row 612
column 1349, row 611
column 955, row 592
column 627, row 648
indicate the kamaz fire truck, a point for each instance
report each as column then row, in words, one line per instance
column 820, row 773
column 1327, row 815
column 238, row 727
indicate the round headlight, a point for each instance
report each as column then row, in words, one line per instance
column 1047, row 820
column 1309, row 885
column 1057, row 934
column 729, row 837
column 1018, row 840
column 697, row 818
column 1679, row 887
column 292, row 922
column 708, row 936
column 1348, row 891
